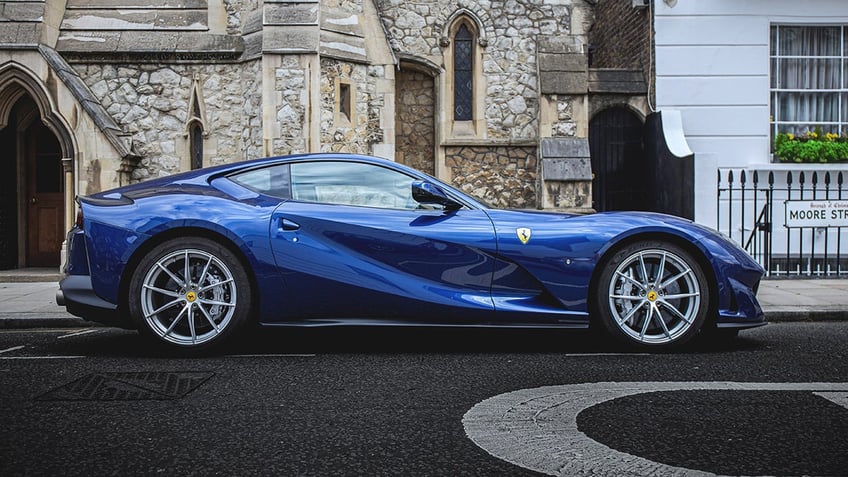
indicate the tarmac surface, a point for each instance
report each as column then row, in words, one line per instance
column 28, row 300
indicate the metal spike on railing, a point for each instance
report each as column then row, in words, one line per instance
column 789, row 178
column 771, row 178
column 756, row 179
column 743, row 178
column 815, row 182
column 730, row 177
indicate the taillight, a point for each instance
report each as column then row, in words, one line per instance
column 79, row 221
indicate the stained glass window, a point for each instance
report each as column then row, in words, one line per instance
column 463, row 61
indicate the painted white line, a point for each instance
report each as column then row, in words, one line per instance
column 78, row 333
column 269, row 356
column 537, row 428
column 39, row 357
column 596, row 355
column 12, row 349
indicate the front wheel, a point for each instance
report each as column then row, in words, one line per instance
column 189, row 294
column 652, row 294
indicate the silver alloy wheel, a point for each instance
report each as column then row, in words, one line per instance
column 654, row 296
column 188, row 297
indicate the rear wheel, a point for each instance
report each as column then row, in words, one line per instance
column 190, row 294
column 652, row 294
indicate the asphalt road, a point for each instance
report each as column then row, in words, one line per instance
column 392, row 402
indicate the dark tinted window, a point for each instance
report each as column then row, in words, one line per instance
column 273, row 180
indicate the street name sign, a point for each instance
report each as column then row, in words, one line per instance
column 816, row 213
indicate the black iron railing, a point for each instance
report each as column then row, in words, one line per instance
column 789, row 221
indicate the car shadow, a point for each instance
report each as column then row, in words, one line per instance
column 392, row 340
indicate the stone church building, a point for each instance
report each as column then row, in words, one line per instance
column 501, row 98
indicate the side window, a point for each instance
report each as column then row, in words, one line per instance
column 350, row 183
column 273, row 180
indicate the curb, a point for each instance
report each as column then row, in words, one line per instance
column 806, row 315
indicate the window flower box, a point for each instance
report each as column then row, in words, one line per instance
column 812, row 147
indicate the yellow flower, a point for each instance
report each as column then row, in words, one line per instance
column 790, row 136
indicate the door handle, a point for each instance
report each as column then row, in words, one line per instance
column 288, row 225
column 34, row 200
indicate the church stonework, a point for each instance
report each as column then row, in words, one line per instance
column 465, row 90
column 150, row 102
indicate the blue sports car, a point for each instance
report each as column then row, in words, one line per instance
column 336, row 239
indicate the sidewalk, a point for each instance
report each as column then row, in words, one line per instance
column 28, row 300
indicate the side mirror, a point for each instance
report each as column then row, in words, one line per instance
column 429, row 193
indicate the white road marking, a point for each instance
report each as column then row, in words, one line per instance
column 78, row 333
column 836, row 398
column 269, row 356
column 12, row 349
column 537, row 428
column 596, row 355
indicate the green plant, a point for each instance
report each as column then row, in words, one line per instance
column 813, row 146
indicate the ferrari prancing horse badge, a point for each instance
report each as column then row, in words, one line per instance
column 523, row 234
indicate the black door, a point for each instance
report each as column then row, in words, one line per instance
column 9, row 196
column 618, row 161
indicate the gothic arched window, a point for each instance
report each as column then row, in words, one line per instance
column 463, row 74
column 196, row 144
column 194, row 128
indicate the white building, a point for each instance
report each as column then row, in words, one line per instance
column 740, row 71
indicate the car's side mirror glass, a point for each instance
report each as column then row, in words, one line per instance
column 428, row 193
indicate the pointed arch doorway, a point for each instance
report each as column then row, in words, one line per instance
column 415, row 113
column 32, row 201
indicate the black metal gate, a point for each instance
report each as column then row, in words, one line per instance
column 618, row 160
column 757, row 209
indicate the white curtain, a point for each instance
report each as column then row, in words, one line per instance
column 807, row 78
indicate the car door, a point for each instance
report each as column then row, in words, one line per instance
column 353, row 244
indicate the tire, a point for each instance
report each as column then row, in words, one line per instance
column 198, row 314
column 652, row 294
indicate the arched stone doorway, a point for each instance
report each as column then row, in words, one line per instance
column 618, row 160
column 32, row 196
column 415, row 113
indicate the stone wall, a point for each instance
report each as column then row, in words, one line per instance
column 363, row 129
column 508, row 40
column 415, row 141
column 290, row 82
column 150, row 101
column 565, row 124
column 237, row 11
column 575, row 196
column 502, row 176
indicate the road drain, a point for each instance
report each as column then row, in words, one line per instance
column 161, row 386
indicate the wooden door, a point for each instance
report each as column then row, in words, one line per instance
column 44, row 197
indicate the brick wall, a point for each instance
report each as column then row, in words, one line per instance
column 620, row 36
